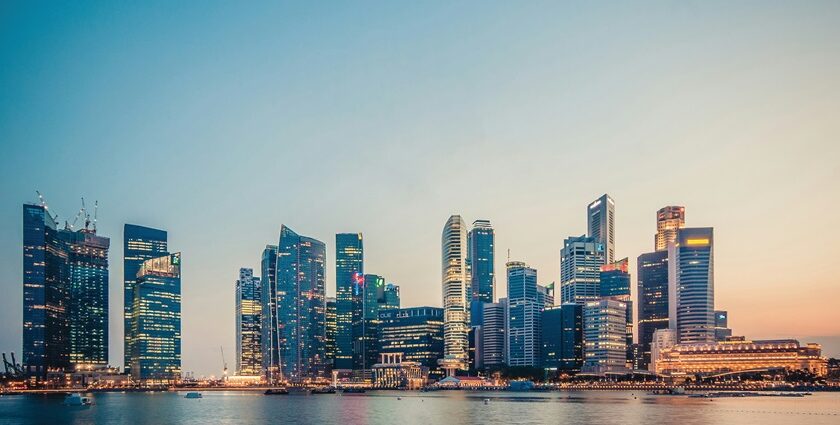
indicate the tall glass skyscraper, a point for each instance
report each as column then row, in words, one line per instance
column 349, row 269
column 248, row 323
column 456, row 294
column 580, row 269
column 139, row 244
column 669, row 220
column 562, row 339
column 88, row 303
column 691, row 285
column 156, row 321
column 270, row 339
column 302, row 305
column 652, row 295
column 330, row 333
column 524, row 310
column 494, row 334
column 615, row 285
column 371, row 290
column 600, row 219
column 392, row 297
column 480, row 259
column 604, row 336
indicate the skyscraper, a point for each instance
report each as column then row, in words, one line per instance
column 562, row 339
column 139, row 244
column 691, row 285
column 669, row 220
column 494, row 334
column 87, row 311
column 301, row 303
column 480, row 259
column 580, row 269
column 349, row 267
column 456, row 294
column 652, row 295
column 615, row 285
column 392, row 297
column 722, row 331
column 524, row 309
column 371, row 290
column 604, row 336
column 416, row 332
column 600, row 220
column 45, row 293
column 156, row 321
column 248, row 323
column 330, row 333
column 270, row 338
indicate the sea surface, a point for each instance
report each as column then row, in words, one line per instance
column 402, row 408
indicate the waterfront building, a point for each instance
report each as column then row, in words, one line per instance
column 662, row 339
column 481, row 263
column 140, row 243
column 722, row 331
column 270, row 336
column 415, row 332
column 329, row 341
column 493, row 335
column 393, row 372
column 562, row 339
column 580, row 268
column 248, row 323
column 669, row 220
column 652, row 294
column 524, row 308
column 600, row 222
column 615, row 285
column 87, row 311
column 156, row 321
column 301, row 303
column 456, row 294
column 739, row 354
column 371, row 290
column 349, row 269
column 691, row 285
column 604, row 336
column 392, row 297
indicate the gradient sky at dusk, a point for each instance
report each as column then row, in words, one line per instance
column 220, row 121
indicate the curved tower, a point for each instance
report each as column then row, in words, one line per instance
column 456, row 294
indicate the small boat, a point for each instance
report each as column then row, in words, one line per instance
column 76, row 399
column 276, row 391
column 353, row 391
column 193, row 395
column 486, row 400
column 322, row 390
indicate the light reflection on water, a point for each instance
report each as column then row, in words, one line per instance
column 444, row 407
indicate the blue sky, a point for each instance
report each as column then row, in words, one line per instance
column 218, row 121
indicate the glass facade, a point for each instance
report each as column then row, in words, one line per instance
column 652, row 294
column 88, row 303
column 139, row 244
column 156, row 322
column 524, row 309
column 615, row 284
column 494, row 334
column 692, row 285
column 270, row 324
column 604, row 336
column 669, row 220
column 456, row 292
column 480, row 258
column 392, row 297
column 562, row 339
column 371, row 290
column 416, row 332
column 248, row 323
column 330, row 333
column 600, row 220
column 349, row 267
column 580, row 269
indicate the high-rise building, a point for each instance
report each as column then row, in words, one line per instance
column 652, row 295
column 330, row 332
column 494, row 334
column 248, row 323
column 349, row 269
column 392, row 297
column 662, row 340
column 600, row 221
column 416, row 332
column 301, row 303
column 524, row 308
column 669, row 220
column 480, row 259
column 545, row 295
column 371, row 290
column 87, row 311
column 270, row 338
column 604, row 336
column 156, row 321
column 722, row 331
column 615, row 285
column 45, row 293
column 691, row 285
column 456, row 294
column 140, row 243
column 580, row 269
column 562, row 339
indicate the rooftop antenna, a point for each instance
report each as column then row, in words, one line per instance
column 43, row 203
column 95, row 211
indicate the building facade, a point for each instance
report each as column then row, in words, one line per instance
column 669, row 220
column 562, row 339
column 580, row 269
column 87, row 311
column 494, row 334
column 481, row 262
column 456, row 294
column 600, row 222
column 691, row 285
column 415, row 332
column 371, row 290
column 604, row 336
column 392, row 297
column 524, row 309
column 652, row 294
column 156, row 321
column 722, row 331
column 615, row 285
column 248, row 297
column 330, row 332
column 349, row 268
column 270, row 338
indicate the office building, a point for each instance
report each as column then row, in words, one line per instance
column 140, row 243
column 329, row 341
column 349, row 269
column 524, row 309
column 604, row 336
column 480, row 259
column 722, row 331
column 493, row 334
column 392, row 297
column 600, row 221
column 456, row 294
column 269, row 329
column 415, row 332
column 248, row 323
column 562, row 339
column 156, row 321
column 669, row 220
column 580, row 269
column 371, row 290
column 662, row 339
column 691, row 285
column 615, row 285
column 652, row 295
column 301, row 303
column 87, row 311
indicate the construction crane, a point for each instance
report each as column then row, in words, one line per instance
column 224, row 363
column 95, row 211
column 46, row 207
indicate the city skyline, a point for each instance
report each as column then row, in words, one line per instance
column 165, row 145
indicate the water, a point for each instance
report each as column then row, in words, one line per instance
column 443, row 407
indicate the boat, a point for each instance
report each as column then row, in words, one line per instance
column 353, row 391
column 322, row 390
column 276, row 391
column 76, row 399
column 193, row 395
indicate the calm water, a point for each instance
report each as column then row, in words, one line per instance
column 445, row 407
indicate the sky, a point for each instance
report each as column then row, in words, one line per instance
column 220, row 121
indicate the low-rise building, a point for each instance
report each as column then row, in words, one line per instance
column 393, row 372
